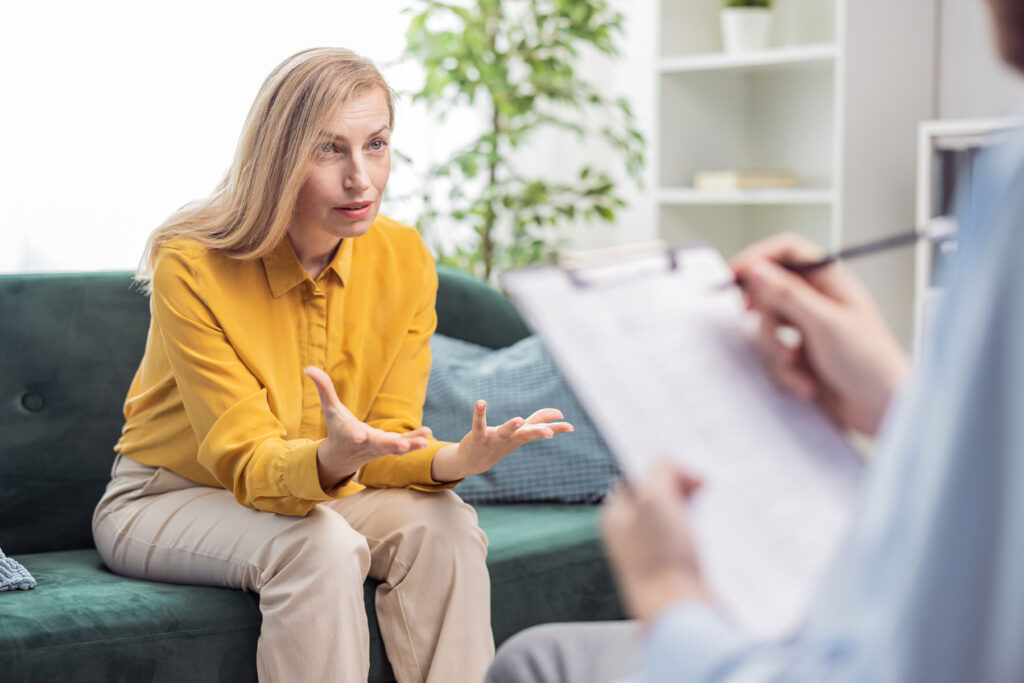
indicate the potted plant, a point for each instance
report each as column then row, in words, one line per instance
column 516, row 62
column 745, row 24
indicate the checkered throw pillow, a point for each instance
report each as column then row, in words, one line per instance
column 515, row 381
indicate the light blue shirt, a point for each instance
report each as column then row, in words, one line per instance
column 929, row 584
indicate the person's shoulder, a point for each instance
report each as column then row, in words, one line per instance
column 184, row 246
column 177, row 253
column 187, row 258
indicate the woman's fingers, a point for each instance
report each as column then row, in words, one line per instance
column 480, row 417
column 545, row 415
column 328, row 396
column 561, row 427
column 507, row 430
column 523, row 431
column 424, row 432
column 387, row 443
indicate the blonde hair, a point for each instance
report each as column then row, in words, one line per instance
column 248, row 213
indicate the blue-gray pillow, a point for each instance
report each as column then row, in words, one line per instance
column 515, row 381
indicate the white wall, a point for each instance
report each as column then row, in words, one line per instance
column 885, row 100
column 972, row 81
column 118, row 112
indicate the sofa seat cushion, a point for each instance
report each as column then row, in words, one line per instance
column 83, row 623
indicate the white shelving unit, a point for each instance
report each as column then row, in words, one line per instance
column 946, row 153
column 771, row 109
column 835, row 100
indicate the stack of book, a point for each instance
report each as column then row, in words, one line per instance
column 742, row 180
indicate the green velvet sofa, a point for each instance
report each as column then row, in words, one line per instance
column 69, row 345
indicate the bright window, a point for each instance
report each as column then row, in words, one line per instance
column 117, row 113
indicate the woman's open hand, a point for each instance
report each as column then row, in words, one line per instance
column 350, row 442
column 484, row 446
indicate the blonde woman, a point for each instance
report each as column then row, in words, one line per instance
column 272, row 439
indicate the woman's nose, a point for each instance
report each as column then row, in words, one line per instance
column 356, row 177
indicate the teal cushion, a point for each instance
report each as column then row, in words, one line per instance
column 69, row 346
column 83, row 623
column 515, row 381
column 472, row 310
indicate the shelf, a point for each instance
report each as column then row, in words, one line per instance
column 781, row 196
column 786, row 57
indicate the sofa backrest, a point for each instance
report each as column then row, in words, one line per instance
column 69, row 347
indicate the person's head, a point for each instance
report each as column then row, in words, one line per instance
column 343, row 187
column 299, row 108
column 1008, row 18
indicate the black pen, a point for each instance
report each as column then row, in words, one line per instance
column 938, row 229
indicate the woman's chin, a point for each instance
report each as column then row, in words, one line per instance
column 353, row 228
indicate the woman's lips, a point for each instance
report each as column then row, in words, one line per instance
column 354, row 210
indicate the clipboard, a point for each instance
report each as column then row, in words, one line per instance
column 663, row 359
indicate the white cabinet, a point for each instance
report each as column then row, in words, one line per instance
column 947, row 155
column 835, row 100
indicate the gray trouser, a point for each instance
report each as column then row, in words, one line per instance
column 595, row 652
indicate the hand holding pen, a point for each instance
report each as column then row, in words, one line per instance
column 846, row 357
column 939, row 229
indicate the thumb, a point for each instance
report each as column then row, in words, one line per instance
column 786, row 295
column 328, row 396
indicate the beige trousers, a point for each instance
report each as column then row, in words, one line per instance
column 433, row 605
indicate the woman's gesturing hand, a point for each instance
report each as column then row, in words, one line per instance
column 845, row 357
column 350, row 442
column 484, row 446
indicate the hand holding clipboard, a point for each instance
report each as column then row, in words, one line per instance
column 651, row 354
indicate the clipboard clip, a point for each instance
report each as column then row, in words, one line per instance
column 607, row 267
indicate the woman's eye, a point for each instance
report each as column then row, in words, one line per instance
column 326, row 148
column 378, row 144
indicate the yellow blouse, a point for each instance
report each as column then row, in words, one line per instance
column 220, row 397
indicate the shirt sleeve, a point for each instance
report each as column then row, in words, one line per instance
column 698, row 643
column 240, row 440
column 398, row 406
column 690, row 642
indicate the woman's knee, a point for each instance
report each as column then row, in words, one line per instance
column 319, row 543
column 443, row 521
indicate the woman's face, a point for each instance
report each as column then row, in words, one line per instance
column 346, row 181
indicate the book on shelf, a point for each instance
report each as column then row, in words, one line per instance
column 742, row 180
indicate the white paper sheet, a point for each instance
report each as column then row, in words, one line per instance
column 664, row 362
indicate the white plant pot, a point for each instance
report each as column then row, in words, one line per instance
column 745, row 29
